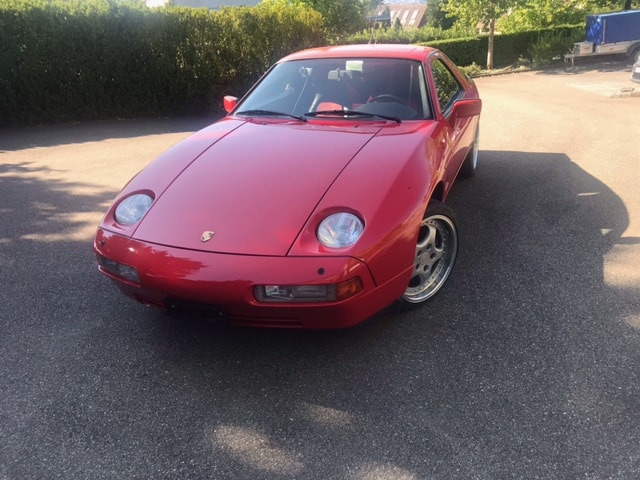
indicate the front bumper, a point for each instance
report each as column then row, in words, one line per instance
column 225, row 283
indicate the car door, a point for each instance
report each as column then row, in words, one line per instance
column 455, row 131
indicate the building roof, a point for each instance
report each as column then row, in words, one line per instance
column 411, row 15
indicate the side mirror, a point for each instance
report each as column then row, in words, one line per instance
column 230, row 103
column 466, row 108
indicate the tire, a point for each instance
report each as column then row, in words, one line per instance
column 436, row 252
column 470, row 163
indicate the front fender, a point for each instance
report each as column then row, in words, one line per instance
column 388, row 184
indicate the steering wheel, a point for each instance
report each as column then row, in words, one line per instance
column 386, row 98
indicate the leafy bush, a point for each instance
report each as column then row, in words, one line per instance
column 509, row 49
column 538, row 14
column 550, row 45
column 68, row 60
column 472, row 70
column 463, row 51
column 376, row 34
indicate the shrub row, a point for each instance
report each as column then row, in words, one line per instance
column 67, row 61
column 508, row 48
column 70, row 60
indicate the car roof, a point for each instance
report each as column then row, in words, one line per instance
column 380, row 50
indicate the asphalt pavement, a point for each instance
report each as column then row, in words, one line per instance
column 525, row 366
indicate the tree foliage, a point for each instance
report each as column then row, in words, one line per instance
column 473, row 12
column 613, row 5
column 510, row 16
column 535, row 14
column 481, row 12
column 436, row 15
column 341, row 16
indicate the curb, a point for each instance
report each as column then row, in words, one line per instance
column 625, row 92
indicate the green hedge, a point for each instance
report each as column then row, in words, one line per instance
column 65, row 60
column 463, row 51
column 71, row 60
column 508, row 48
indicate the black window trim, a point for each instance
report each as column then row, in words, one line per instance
column 436, row 56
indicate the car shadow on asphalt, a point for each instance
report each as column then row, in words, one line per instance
column 534, row 229
column 524, row 362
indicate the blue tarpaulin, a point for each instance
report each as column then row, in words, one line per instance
column 613, row 27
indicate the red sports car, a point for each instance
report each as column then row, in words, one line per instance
column 315, row 203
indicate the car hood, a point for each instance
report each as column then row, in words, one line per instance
column 253, row 188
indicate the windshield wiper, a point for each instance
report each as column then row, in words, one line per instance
column 352, row 113
column 260, row 112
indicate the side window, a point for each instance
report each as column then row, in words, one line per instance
column 447, row 87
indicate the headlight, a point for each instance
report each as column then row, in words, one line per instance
column 132, row 209
column 340, row 230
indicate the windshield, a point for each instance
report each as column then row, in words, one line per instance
column 374, row 87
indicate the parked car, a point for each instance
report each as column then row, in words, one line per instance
column 315, row 203
column 635, row 71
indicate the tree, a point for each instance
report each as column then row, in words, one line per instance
column 613, row 5
column 483, row 12
column 372, row 5
column 340, row 16
column 436, row 16
column 536, row 14
column 631, row 4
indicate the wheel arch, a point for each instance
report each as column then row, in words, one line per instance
column 429, row 274
column 634, row 51
column 438, row 193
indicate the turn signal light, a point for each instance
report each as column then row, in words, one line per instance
column 349, row 288
column 307, row 293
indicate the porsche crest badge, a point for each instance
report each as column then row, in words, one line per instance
column 206, row 236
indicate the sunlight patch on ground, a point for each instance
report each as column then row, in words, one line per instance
column 256, row 450
column 379, row 471
column 632, row 320
column 622, row 272
column 328, row 417
column 606, row 89
column 92, row 163
column 31, row 174
column 621, row 266
column 78, row 227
